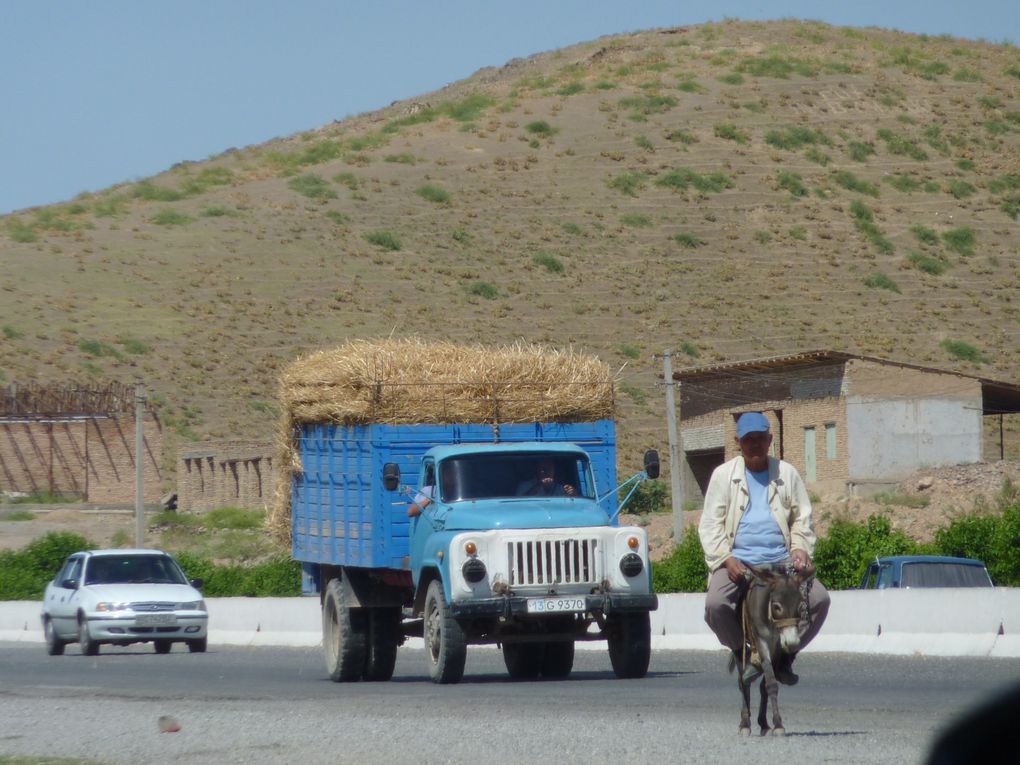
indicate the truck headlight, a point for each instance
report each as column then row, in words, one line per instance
column 473, row 570
column 631, row 565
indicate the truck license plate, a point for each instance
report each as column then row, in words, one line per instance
column 156, row 620
column 555, row 605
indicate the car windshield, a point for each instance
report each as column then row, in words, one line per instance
column 524, row 474
column 933, row 574
column 133, row 569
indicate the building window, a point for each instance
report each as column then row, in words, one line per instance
column 830, row 440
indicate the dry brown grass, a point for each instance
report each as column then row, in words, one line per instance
column 229, row 300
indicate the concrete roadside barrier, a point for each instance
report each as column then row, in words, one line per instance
column 931, row 622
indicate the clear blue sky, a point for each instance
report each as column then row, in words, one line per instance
column 96, row 93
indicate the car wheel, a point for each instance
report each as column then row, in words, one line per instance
column 197, row 646
column 54, row 645
column 162, row 646
column 89, row 647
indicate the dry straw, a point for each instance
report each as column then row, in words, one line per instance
column 408, row 381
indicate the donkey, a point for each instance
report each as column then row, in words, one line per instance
column 773, row 605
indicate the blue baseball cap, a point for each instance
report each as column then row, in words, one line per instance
column 752, row 422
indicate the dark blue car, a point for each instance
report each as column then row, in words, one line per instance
column 925, row 571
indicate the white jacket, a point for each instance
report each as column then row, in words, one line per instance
column 727, row 498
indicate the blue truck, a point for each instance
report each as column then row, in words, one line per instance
column 495, row 556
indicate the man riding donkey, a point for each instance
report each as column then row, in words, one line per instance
column 757, row 513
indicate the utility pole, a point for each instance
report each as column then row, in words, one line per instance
column 676, row 476
column 139, row 461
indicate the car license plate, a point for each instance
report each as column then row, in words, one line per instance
column 156, row 620
column 555, row 605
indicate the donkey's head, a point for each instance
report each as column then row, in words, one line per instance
column 785, row 603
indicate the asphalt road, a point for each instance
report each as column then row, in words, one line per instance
column 275, row 705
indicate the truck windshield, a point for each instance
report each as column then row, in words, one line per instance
column 497, row 476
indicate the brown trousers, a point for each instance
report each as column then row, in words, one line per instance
column 723, row 618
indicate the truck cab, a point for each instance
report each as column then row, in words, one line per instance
column 514, row 547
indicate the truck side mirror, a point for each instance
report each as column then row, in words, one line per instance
column 391, row 476
column 652, row 463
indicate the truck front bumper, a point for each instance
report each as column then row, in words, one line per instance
column 515, row 605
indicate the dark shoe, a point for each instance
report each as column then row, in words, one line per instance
column 783, row 667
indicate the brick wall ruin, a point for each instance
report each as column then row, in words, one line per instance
column 225, row 474
column 88, row 457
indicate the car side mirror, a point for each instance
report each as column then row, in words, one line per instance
column 196, row 583
column 652, row 463
column 69, row 584
column 391, row 476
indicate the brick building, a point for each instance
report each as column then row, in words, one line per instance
column 844, row 421
column 216, row 474
column 77, row 442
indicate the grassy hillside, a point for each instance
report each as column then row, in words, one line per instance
column 729, row 191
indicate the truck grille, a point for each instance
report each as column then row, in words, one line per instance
column 554, row 561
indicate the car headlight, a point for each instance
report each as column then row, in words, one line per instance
column 194, row 605
column 105, row 605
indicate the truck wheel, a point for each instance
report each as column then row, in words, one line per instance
column 344, row 637
column 383, row 637
column 558, row 660
column 54, row 645
column 524, row 660
column 630, row 643
column 445, row 641
column 89, row 647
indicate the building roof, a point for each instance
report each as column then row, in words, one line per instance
column 997, row 397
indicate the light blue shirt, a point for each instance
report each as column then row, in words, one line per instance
column 759, row 539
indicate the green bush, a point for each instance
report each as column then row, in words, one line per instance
column 434, row 194
column 792, row 182
column 964, row 351
column 648, row 497
column 25, row 573
column 383, row 239
column 842, row 556
column 960, row 240
column 927, row 264
column 541, row 128
column 549, row 262
column 879, row 280
column 683, row 177
column 485, row 290
column 794, row 138
column 171, row 218
column 312, row 186
column 684, row 570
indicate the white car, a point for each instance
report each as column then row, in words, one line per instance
column 123, row 597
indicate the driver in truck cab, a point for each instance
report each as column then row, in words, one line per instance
column 544, row 484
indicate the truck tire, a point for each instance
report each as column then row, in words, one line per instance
column 558, row 660
column 344, row 636
column 445, row 641
column 524, row 661
column 383, row 638
column 630, row 643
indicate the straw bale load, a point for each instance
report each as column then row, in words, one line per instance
column 410, row 381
